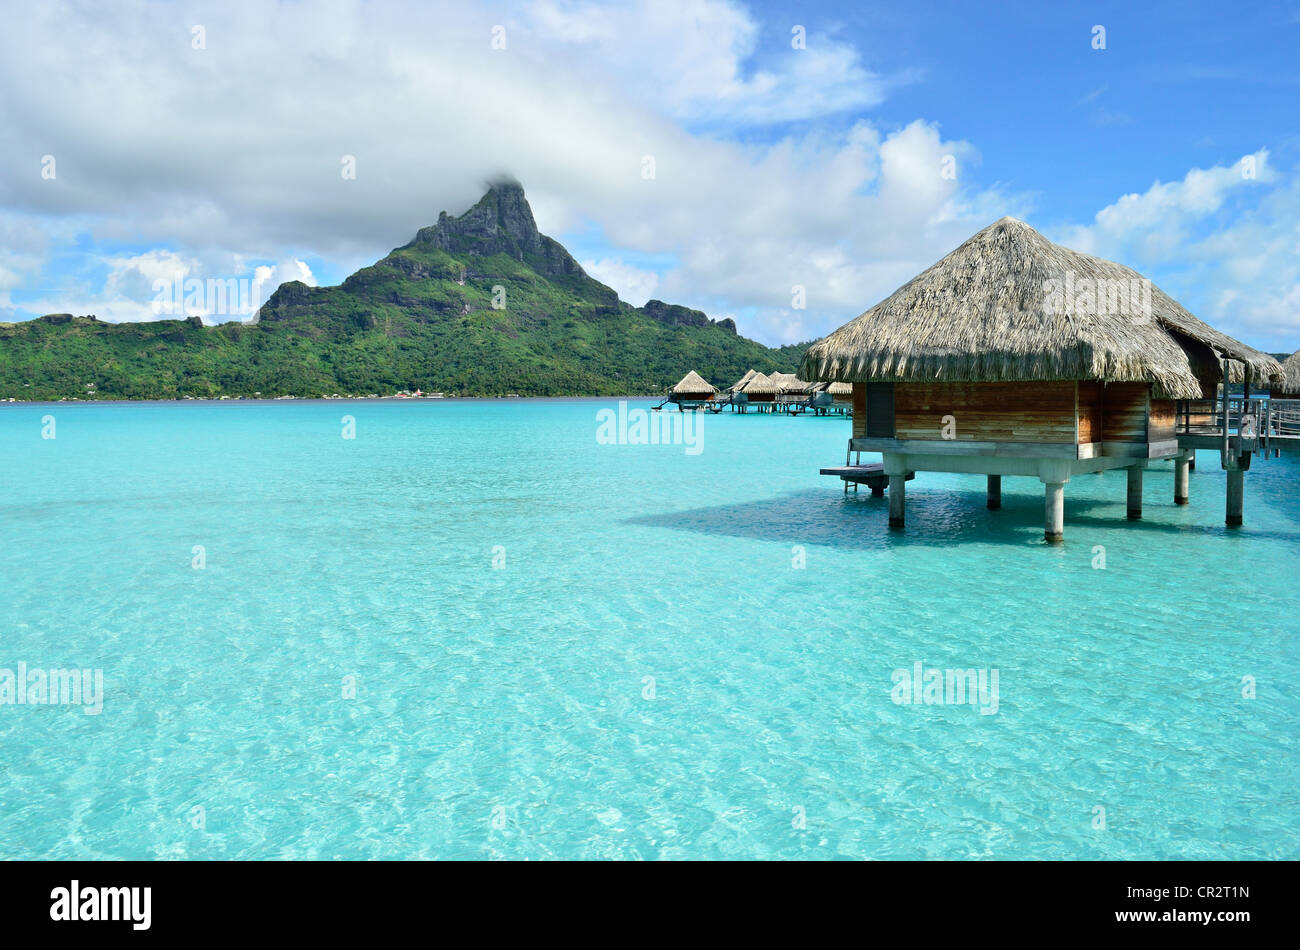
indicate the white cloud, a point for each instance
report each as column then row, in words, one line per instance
column 24, row 250
column 634, row 284
column 1157, row 220
column 161, row 284
column 1242, row 275
column 695, row 59
column 132, row 278
column 232, row 154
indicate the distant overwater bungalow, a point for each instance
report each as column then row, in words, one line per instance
column 827, row 399
column 841, row 397
column 1284, row 402
column 755, row 391
column 768, row 393
column 735, row 387
column 692, row 391
column 1288, row 386
column 788, row 384
column 793, row 394
column 1014, row 356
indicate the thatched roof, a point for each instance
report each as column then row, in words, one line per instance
column 693, row 382
column 789, row 383
column 1290, row 384
column 758, row 383
column 742, row 381
column 983, row 314
column 841, row 389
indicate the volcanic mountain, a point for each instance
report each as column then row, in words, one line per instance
column 480, row 304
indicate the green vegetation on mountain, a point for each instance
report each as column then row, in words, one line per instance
column 477, row 305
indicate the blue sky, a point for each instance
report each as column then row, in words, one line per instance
column 1179, row 85
column 206, row 142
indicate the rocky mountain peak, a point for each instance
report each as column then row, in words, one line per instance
column 501, row 222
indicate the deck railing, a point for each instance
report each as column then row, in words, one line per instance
column 1253, row 424
column 1284, row 418
column 1205, row 416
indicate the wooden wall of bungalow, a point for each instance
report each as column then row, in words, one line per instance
column 1096, row 418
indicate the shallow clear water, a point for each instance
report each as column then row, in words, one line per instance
column 504, row 711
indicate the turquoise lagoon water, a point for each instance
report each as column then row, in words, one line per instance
column 646, row 674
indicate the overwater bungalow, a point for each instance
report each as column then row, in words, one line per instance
column 1014, row 356
column 732, row 396
column 792, row 393
column 755, row 392
column 1282, row 417
column 1288, row 386
column 830, row 399
column 788, row 383
column 841, row 397
column 692, row 391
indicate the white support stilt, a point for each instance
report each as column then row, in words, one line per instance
column 1182, row 469
column 1054, row 474
column 895, row 466
column 897, row 499
column 1054, row 523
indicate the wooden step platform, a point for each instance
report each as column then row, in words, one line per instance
column 872, row 475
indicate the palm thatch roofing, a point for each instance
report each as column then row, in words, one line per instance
column 757, row 384
column 841, row 389
column 1290, row 383
column 693, row 382
column 985, row 313
column 742, row 381
column 789, row 383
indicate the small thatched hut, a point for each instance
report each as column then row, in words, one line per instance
column 758, row 391
column 831, row 398
column 1015, row 356
column 841, row 393
column 692, row 390
column 789, row 383
column 1288, row 386
column 734, row 396
column 792, row 393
